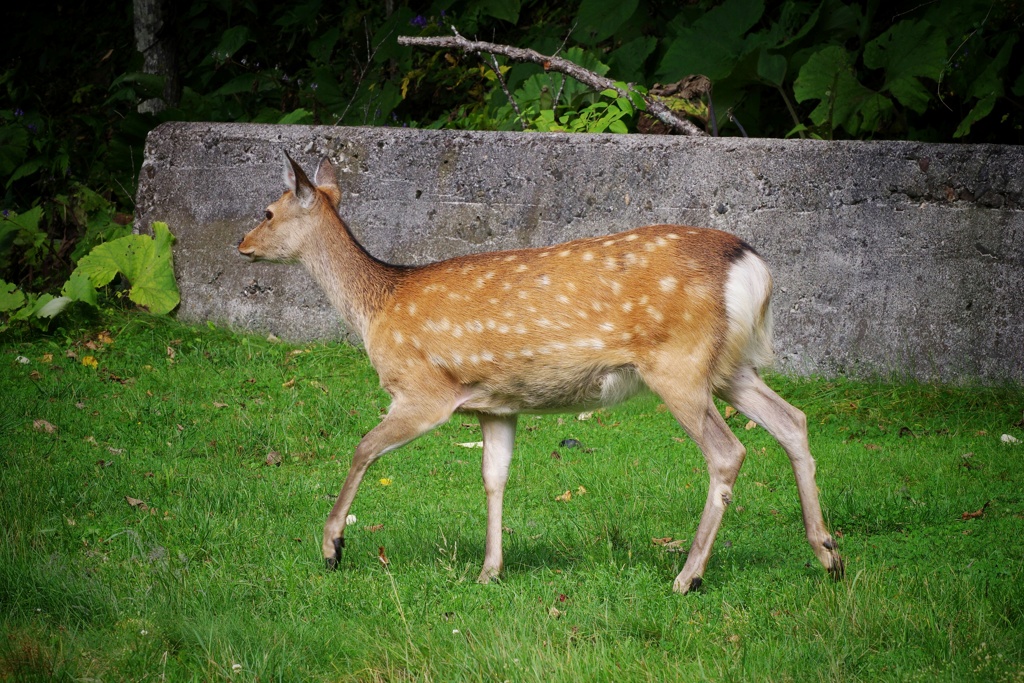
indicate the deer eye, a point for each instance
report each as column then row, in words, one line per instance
column 270, row 215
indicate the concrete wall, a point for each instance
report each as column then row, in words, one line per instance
column 887, row 256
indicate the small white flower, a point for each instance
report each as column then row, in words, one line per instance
column 143, row 632
column 236, row 667
column 350, row 520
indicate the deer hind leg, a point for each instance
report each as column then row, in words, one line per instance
column 724, row 455
column 406, row 420
column 499, row 433
column 748, row 393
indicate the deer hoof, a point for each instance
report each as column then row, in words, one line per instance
column 331, row 563
column 682, row 586
column 836, row 569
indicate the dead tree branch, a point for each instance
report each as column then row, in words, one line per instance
column 552, row 63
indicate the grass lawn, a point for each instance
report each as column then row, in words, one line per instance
column 163, row 490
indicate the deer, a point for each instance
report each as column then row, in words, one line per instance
column 680, row 311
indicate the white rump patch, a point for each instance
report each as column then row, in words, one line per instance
column 747, row 294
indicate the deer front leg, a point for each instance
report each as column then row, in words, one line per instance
column 499, row 434
column 724, row 455
column 405, row 421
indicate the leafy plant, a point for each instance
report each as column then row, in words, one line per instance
column 611, row 113
column 144, row 261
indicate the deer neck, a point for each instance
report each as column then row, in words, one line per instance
column 356, row 283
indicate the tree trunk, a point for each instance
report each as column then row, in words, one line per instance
column 154, row 40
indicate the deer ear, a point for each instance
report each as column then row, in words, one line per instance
column 325, row 174
column 297, row 181
column 326, row 180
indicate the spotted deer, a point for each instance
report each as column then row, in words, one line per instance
column 681, row 311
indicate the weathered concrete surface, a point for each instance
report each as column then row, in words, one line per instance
column 888, row 256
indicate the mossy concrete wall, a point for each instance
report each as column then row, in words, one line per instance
column 888, row 257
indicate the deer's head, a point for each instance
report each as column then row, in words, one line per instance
column 290, row 225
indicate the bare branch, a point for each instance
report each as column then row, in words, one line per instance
column 553, row 63
column 504, row 87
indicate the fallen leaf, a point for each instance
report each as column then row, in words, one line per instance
column 750, row 425
column 556, row 455
column 35, row 375
column 471, row 444
column 71, row 353
column 115, row 451
column 385, row 482
column 92, row 346
column 218, row 404
column 976, row 514
column 47, row 358
column 273, row 458
column 565, row 497
column 43, row 426
column 382, row 557
column 104, row 337
column 373, row 528
column 583, row 417
column 171, row 353
column 104, row 463
column 555, row 613
column 272, row 338
column 581, row 491
column 289, row 384
column 137, row 504
column 662, row 541
column 90, row 361
column 1009, row 438
column 729, row 412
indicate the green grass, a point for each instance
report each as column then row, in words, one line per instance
column 220, row 577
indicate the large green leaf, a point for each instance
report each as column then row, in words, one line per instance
column 506, row 10
column 597, row 20
column 982, row 109
column 145, row 262
column 10, row 296
column 828, row 76
column 232, row 41
column 79, row 288
column 908, row 51
column 627, row 62
column 771, row 68
column 713, row 43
